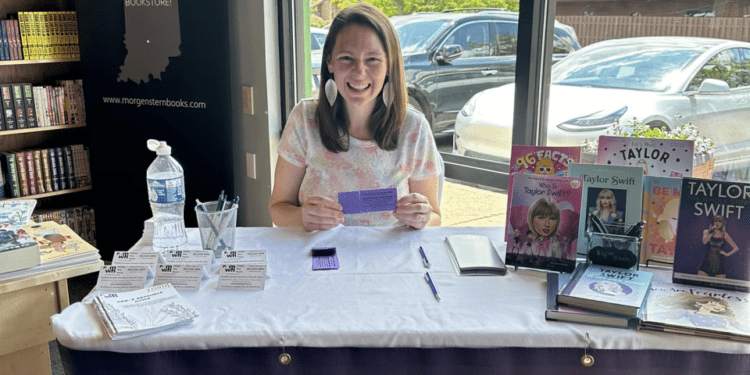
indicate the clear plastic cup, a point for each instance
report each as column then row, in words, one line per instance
column 217, row 228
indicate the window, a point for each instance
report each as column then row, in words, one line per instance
column 505, row 41
column 473, row 40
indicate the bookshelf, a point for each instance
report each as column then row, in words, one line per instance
column 44, row 72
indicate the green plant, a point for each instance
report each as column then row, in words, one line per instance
column 703, row 145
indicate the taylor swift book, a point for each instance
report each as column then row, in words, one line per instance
column 543, row 222
column 607, row 289
column 657, row 157
column 540, row 160
column 713, row 236
column 697, row 311
column 613, row 193
column 661, row 207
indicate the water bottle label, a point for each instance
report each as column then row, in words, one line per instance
column 166, row 190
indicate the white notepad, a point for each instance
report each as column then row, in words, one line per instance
column 474, row 255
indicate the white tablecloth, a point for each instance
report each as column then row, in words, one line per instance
column 378, row 298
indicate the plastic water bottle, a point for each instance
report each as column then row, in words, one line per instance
column 166, row 193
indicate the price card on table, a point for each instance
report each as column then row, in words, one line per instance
column 244, row 256
column 122, row 278
column 242, row 276
column 183, row 276
column 139, row 258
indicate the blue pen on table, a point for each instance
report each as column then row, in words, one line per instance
column 424, row 258
column 213, row 226
column 432, row 285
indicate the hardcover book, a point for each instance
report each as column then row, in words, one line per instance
column 19, row 106
column 54, row 170
column 611, row 192
column 607, row 289
column 23, row 176
column 29, row 105
column 9, row 111
column 661, row 208
column 30, row 171
column 562, row 313
column 145, row 311
column 540, row 160
column 14, row 187
column 697, row 311
column 657, row 157
column 713, row 240
column 39, row 172
column 63, row 169
column 17, row 249
column 543, row 222
column 46, row 169
column 16, row 212
column 3, row 42
column 474, row 255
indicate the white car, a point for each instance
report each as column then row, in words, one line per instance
column 659, row 81
column 317, row 40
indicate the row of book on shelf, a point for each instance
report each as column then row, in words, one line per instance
column 29, row 248
column 39, row 35
column 32, row 172
column 638, row 204
column 26, row 106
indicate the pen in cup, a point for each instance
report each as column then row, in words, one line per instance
column 213, row 226
column 424, row 258
column 432, row 285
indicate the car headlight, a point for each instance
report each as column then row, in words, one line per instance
column 468, row 108
column 595, row 121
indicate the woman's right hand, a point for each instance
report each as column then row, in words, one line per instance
column 321, row 213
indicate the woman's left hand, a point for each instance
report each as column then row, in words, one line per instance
column 413, row 210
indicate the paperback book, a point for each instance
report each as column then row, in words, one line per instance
column 713, row 240
column 17, row 249
column 697, row 311
column 607, row 289
column 657, row 157
column 562, row 313
column 145, row 311
column 539, row 160
column 58, row 242
column 613, row 193
column 542, row 229
column 661, row 208
column 474, row 255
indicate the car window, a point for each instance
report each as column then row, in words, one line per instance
column 561, row 45
column 416, row 36
column 743, row 68
column 473, row 39
column 505, row 39
column 317, row 40
column 727, row 66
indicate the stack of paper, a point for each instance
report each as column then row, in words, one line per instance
column 148, row 232
column 60, row 246
column 143, row 311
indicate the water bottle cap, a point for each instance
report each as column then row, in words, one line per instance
column 160, row 147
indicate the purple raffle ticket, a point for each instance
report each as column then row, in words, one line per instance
column 357, row 202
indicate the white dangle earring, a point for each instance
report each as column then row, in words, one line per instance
column 331, row 91
column 387, row 94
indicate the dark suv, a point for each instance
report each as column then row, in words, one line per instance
column 449, row 57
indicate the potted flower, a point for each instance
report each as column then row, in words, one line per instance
column 703, row 155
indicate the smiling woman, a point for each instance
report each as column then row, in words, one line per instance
column 358, row 135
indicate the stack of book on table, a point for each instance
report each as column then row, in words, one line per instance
column 57, row 247
column 599, row 295
column 18, row 250
column 143, row 311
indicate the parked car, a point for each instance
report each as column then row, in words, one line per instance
column 317, row 40
column 659, row 81
column 449, row 57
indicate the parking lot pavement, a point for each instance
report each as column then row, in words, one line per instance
column 465, row 205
